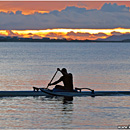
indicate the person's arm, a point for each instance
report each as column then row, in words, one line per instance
column 56, row 82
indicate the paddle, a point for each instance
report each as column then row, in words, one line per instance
column 52, row 79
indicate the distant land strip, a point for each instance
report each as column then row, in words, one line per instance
column 17, row 39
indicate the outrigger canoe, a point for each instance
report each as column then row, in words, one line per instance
column 48, row 92
column 79, row 92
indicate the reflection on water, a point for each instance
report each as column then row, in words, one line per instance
column 65, row 100
column 56, row 112
column 62, row 111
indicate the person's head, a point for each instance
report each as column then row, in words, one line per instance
column 64, row 71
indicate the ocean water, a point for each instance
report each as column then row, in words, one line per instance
column 100, row 66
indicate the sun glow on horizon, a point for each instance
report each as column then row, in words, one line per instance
column 3, row 32
column 60, row 33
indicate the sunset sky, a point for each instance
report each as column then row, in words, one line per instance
column 64, row 19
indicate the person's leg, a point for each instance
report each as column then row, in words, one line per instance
column 59, row 87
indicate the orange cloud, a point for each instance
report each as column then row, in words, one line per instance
column 3, row 33
column 29, row 7
column 78, row 34
column 55, row 35
column 61, row 33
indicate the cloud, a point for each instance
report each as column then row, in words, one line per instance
column 31, row 35
column 100, row 34
column 114, row 8
column 10, row 33
column 84, row 36
column 116, row 33
column 74, row 9
column 112, row 16
column 18, row 12
column 55, row 36
column 78, row 34
column 36, row 37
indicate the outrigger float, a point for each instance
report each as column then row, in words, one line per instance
column 77, row 92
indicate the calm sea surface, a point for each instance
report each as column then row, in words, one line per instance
column 100, row 66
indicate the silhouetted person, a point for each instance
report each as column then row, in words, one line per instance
column 67, row 80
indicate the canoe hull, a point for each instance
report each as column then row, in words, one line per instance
column 47, row 92
column 86, row 93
